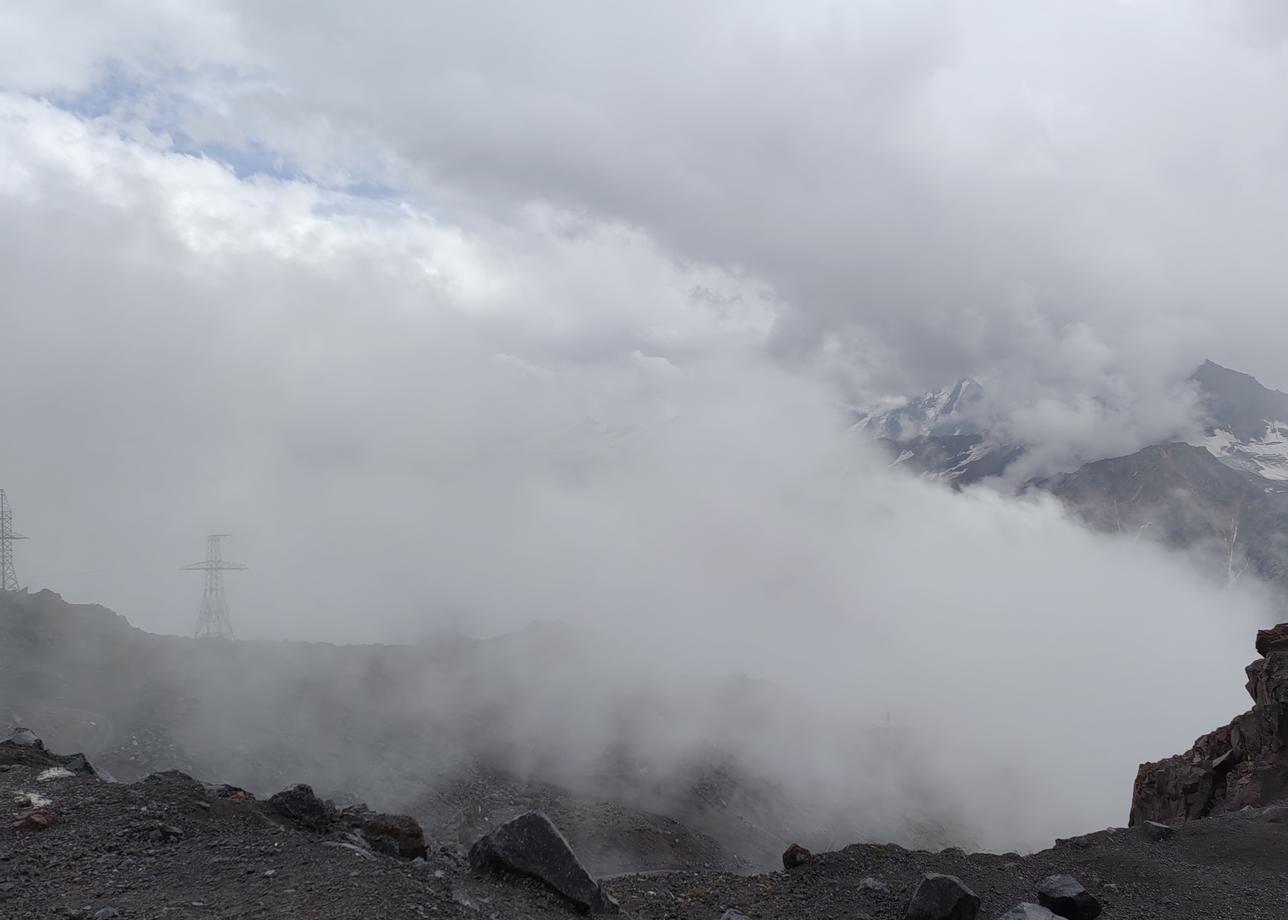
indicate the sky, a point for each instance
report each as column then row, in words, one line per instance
column 457, row 316
column 293, row 271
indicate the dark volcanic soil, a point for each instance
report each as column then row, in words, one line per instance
column 169, row 846
column 1225, row 868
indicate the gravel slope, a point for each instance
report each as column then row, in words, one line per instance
column 171, row 847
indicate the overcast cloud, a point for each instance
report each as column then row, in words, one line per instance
column 469, row 314
column 320, row 230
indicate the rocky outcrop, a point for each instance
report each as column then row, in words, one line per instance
column 300, row 805
column 1240, row 764
column 531, row 845
column 393, row 835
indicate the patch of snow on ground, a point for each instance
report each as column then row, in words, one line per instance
column 53, row 773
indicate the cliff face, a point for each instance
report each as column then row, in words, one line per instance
column 1240, row 764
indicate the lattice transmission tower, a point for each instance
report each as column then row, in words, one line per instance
column 213, row 620
column 8, row 577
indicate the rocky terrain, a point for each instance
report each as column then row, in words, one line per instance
column 79, row 846
column 186, row 801
column 171, row 843
column 461, row 735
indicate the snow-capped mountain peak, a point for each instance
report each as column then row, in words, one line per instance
column 941, row 435
column 939, row 412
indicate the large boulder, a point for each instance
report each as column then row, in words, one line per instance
column 1065, row 895
column 531, row 845
column 1240, row 764
column 942, row 897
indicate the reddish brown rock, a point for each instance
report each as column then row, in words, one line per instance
column 393, row 835
column 1274, row 639
column 34, row 819
column 795, row 855
column 1240, row 764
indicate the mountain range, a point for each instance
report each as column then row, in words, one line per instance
column 1223, row 496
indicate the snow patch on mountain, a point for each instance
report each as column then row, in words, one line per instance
column 1266, row 456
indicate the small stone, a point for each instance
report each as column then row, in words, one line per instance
column 1156, row 831
column 873, row 884
column 942, row 897
column 34, row 820
column 392, row 835
column 1027, row 911
column 732, row 914
column 106, row 913
column 1065, row 895
column 796, row 855
column 269, row 873
column 1275, row 814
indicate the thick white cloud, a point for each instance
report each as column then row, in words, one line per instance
column 589, row 360
column 931, row 189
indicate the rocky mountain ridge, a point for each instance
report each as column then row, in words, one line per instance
column 1222, row 497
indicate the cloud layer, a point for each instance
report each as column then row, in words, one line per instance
column 473, row 315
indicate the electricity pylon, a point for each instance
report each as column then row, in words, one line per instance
column 8, row 578
column 213, row 620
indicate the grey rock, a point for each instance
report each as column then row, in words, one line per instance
column 1275, row 814
column 106, row 913
column 942, row 897
column 302, row 806
column 531, row 845
column 1027, row 911
column 25, row 737
column 732, row 914
column 873, row 884
column 1065, row 895
column 1156, row 831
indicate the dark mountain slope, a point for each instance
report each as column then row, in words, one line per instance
column 1186, row 498
column 460, row 734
